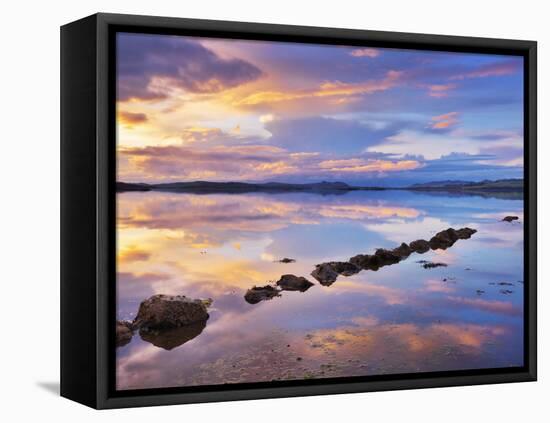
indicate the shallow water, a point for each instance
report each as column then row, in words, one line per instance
column 400, row 319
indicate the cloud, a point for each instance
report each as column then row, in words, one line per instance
column 130, row 119
column 325, row 89
column 505, row 154
column 267, row 118
column 138, row 286
column 445, row 121
column 490, row 306
column 440, row 90
column 365, row 52
column 132, row 254
column 150, row 66
column 324, row 134
column 363, row 166
column 502, row 68
column 179, row 162
column 471, row 167
column 249, row 162
column 201, row 135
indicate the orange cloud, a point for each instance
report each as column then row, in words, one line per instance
column 132, row 254
column 326, row 89
column 359, row 165
column 358, row 211
column 365, row 52
column 444, row 121
column 197, row 134
column 129, row 118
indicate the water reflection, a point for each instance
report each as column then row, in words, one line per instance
column 172, row 338
column 402, row 319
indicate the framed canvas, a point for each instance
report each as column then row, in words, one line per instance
column 257, row 211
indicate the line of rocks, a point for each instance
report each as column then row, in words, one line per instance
column 327, row 273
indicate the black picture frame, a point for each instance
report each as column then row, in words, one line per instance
column 88, row 209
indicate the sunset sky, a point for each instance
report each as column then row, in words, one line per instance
column 192, row 108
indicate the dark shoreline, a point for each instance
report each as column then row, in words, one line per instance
column 500, row 189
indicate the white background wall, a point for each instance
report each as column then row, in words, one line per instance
column 29, row 234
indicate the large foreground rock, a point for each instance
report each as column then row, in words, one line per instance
column 261, row 293
column 169, row 311
column 124, row 333
column 294, row 283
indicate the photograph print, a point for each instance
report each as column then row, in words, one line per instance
column 290, row 211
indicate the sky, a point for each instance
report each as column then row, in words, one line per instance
column 193, row 108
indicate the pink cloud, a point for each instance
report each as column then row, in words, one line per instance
column 493, row 306
column 440, row 90
column 493, row 69
column 365, row 52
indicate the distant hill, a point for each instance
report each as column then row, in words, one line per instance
column 124, row 186
column 241, row 187
column 439, row 184
column 500, row 185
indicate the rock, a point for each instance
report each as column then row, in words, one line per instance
column 420, row 246
column 169, row 311
column 403, row 251
column 294, row 283
column 169, row 339
column 207, row 302
column 261, row 293
column 510, row 218
column 444, row 239
column 124, row 333
column 325, row 274
column 287, row 260
column 361, row 260
column 386, row 257
column 344, row 268
column 431, row 265
column 381, row 257
column 465, row 233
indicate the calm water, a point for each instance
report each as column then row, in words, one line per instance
column 401, row 318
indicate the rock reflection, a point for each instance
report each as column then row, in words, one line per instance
column 172, row 338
